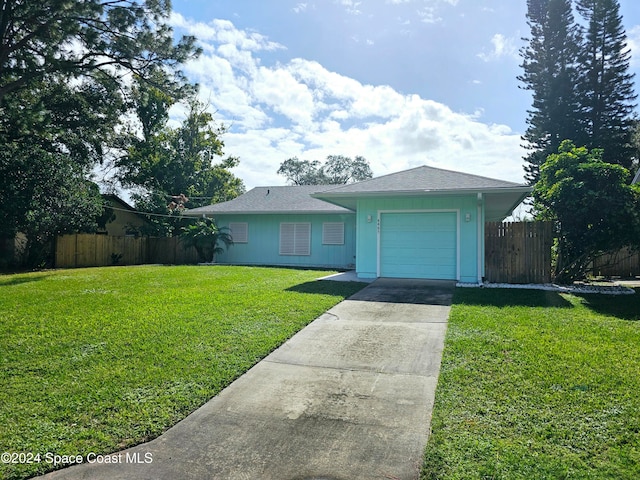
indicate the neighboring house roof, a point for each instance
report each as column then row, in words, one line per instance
column 501, row 197
column 116, row 201
column 281, row 199
column 636, row 179
column 126, row 220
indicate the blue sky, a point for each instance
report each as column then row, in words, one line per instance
column 402, row 82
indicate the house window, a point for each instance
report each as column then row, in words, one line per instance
column 295, row 239
column 239, row 232
column 333, row 233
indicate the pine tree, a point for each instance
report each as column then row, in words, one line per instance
column 607, row 87
column 550, row 63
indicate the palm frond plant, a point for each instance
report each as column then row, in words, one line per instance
column 207, row 238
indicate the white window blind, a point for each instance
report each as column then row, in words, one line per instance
column 333, row 233
column 295, row 239
column 239, row 232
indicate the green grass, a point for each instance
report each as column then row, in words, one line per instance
column 96, row 360
column 538, row 385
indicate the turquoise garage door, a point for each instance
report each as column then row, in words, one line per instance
column 419, row 245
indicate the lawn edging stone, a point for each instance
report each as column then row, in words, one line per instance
column 614, row 289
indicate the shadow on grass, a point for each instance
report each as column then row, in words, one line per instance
column 507, row 297
column 624, row 307
column 328, row 287
column 7, row 280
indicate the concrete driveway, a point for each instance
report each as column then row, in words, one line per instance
column 348, row 397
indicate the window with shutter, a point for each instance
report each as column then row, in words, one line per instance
column 295, row 239
column 333, row 233
column 239, row 232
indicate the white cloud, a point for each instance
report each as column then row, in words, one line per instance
column 633, row 42
column 224, row 32
column 432, row 2
column 351, row 6
column 429, row 15
column 503, row 47
column 300, row 7
column 428, row 11
column 279, row 90
column 300, row 108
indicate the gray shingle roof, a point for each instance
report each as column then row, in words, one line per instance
column 423, row 179
column 281, row 199
column 501, row 197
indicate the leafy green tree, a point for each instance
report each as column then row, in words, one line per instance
column 607, row 87
column 302, row 172
column 337, row 170
column 551, row 72
column 595, row 208
column 340, row 170
column 65, row 67
column 41, row 210
column 206, row 237
column 44, row 177
column 167, row 162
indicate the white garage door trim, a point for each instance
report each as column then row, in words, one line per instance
column 456, row 211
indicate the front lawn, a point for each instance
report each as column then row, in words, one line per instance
column 100, row 359
column 538, row 385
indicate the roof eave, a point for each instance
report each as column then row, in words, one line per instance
column 347, row 200
column 452, row 191
column 270, row 212
column 116, row 198
column 509, row 211
column 518, row 202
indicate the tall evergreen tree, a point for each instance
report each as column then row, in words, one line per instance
column 550, row 63
column 607, row 87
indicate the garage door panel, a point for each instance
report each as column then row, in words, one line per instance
column 418, row 245
column 440, row 256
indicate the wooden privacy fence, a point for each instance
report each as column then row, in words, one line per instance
column 91, row 250
column 518, row 252
column 170, row 250
column 514, row 253
column 624, row 263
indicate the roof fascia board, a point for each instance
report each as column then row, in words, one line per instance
column 326, row 196
column 262, row 212
column 117, row 199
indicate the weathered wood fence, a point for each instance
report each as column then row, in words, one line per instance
column 518, row 252
column 624, row 263
column 514, row 253
column 90, row 250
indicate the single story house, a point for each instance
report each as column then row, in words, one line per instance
column 122, row 219
column 424, row 222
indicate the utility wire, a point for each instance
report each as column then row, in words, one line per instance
column 107, row 205
column 144, row 213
